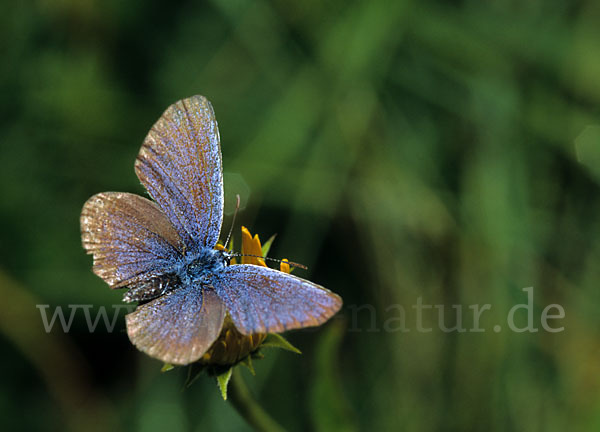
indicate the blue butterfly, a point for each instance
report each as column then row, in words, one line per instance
column 163, row 252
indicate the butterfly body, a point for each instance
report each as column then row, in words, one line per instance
column 200, row 268
column 194, row 270
column 164, row 254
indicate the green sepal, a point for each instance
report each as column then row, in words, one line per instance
column 194, row 372
column 275, row 340
column 223, row 381
column 257, row 355
column 267, row 246
column 167, row 367
column 247, row 361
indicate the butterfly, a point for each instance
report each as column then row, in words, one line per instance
column 163, row 251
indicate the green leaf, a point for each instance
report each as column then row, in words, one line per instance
column 330, row 409
column 223, row 380
column 267, row 246
column 275, row 340
column 167, row 367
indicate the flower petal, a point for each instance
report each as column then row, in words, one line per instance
column 251, row 246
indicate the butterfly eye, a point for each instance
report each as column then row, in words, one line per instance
column 226, row 257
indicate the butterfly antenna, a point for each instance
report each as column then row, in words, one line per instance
column 237, row 207
column 290, row 263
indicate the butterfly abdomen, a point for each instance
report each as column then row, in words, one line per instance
column 150, row 289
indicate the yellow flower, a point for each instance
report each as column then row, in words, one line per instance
column 231, row 346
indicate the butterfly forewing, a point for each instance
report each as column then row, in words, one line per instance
column 180, row 166
column 178, row 327
column 261, row 300
column 129, row 236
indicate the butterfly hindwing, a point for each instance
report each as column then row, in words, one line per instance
column 262, row 300
column 179, row 326
column 129, row 236
column 180, row 166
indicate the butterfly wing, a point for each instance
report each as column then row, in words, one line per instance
column 180, row 166
column 262, row 300
column 129, row 236
column 178, row 327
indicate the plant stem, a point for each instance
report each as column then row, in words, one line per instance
column 247, row 407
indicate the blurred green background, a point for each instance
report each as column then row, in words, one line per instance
column 447, row 151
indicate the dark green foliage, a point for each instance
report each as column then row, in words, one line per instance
column 442, row 150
